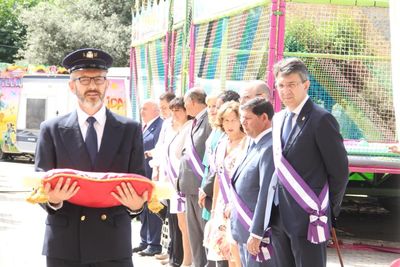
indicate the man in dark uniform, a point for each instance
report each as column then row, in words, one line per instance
column 91, row 138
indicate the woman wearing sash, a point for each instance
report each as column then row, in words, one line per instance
column 205, row 190
column 207, row 184
column 228, row 154
column 182, row 126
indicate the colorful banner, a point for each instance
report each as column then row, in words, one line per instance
column 10, row 90
column 116, row 96
column 152, row 21
column 206, row 9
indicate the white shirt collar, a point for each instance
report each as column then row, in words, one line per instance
column 261, row 135
column 150, row 122
column 100, row 116
column 198, row 116
column 298, row 109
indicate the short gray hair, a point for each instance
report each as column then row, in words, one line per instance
column 197, row 95
column 289, row 66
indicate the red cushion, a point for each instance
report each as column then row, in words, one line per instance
column 96, row 187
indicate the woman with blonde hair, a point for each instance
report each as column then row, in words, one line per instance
column 228, row 156
column 204, row 198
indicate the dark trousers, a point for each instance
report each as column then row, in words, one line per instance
column 294, row 251
column 195, row 224
column 175, row 251
column 52, row 262
column 150, row 231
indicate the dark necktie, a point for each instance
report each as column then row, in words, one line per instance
column 251, row 146
column 144, row 127
column 287, row 128
column 91, row 139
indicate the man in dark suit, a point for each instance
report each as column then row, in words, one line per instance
column 312, row 170
column 150, row 231
column 251, row 181
column 92, row 138
column 191, row 171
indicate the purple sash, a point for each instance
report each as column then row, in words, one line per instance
column 318, row 229
column 194, row 160
column 245, row 218
column 212, row 168
column 171, row 173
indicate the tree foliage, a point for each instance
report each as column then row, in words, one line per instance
column 12, row 32
column 56, row 28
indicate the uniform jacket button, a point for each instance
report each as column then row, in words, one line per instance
column 103, row 217
column 83, row 217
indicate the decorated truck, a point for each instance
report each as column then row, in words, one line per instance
column 348, row 46
column 28, row 97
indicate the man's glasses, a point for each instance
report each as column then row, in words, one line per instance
column 290, row 86
column 98, row 80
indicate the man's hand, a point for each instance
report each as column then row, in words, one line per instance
column 202, row 198
column 253, row 245
column 128, row 197
column 61, row 191
column 148, row 154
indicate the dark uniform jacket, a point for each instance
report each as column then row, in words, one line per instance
column 79, row 233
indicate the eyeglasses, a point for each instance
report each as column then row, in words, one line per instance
column 98, row 80
column 290, row 86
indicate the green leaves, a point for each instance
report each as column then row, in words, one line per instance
column 56, row 28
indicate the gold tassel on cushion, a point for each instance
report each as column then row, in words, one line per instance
column 38, row 196
column 162, row 190
column 154, row 205
column 34, row 181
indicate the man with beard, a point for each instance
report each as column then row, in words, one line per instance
column 92, row 138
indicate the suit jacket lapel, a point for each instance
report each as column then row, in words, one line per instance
column 199, row 122
column 249, row 157
column 73, row 141
column 300, row 122
column 152, row 127
column 111, row 141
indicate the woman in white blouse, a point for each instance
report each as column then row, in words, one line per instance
column 182, row 126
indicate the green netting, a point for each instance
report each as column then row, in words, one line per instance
column 232, row 49
column 347, row 50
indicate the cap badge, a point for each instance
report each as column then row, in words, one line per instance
column 90, row 54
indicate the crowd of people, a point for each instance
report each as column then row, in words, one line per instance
column 251, row 188
column 236, row 202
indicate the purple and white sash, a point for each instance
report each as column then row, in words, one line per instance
column 195, row 161
column 245, row 218
column 224, row 180
column 316, row 207
column 172, row 174
column 212, row 168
